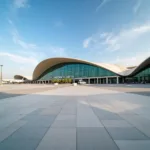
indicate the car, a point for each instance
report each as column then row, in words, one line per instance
column 81, row 82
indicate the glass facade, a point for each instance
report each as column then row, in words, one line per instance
column 75, row 70
column 142, row 76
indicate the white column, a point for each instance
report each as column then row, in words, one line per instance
column 88, row 80
column 117, row 80
column 106, row 80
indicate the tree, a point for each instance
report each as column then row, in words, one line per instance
column 63, row 80
column 69, row 80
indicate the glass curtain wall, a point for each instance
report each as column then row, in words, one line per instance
column 143, row 76
column 75, row 70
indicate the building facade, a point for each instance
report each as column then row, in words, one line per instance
column 91, row 73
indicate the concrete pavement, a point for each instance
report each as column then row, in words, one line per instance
column 75, row 118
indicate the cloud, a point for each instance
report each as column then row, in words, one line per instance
column 137, row 6
column 113, row 42
column 21, row 3
column 17, row 40
column 86, row 42
column 102, row 4
column 20, row 59
column 132, row 60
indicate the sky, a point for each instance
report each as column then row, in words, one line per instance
column 107, row 31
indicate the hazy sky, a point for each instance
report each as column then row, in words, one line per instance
column 111, row 31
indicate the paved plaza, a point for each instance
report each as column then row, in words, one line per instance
column 47, row 117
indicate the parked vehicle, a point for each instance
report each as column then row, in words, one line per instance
column 81, row 82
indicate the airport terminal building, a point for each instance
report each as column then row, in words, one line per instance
column 91, row 73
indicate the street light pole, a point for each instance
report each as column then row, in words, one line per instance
column 1, row 74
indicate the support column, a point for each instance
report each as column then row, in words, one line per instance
column 97, row 80
column 117, row 80
column 106, row 80
column 88, row 81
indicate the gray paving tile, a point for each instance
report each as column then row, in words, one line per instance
column 64, row 124
column 59, row 139
column 19, row 144
column 64, row 121
column 86, row 116
column 133, row 145
column 128, row 133
column 116, row 123
column 32, row 133
column 94, row 139
column 106, row 115
column 51, row 111
column 139, row 122
column 41, row 121
column 25, row 138
column 35, row 112
column 41, row 110
column 58, row 103
column 66, row 117
column 9, row 120
column 11, row 129
column 69, row 111
column 38, row 117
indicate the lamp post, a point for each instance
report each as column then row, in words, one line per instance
column 1, row 74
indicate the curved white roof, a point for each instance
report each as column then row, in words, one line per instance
column 20, row 77
column 112, row 67
column 119, row 70
column 135, row 70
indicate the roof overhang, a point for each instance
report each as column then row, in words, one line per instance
column 46, row 64
column 137, row 69
column 21, row 77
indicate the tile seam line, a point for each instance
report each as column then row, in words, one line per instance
column 104, row 126
column 48, row 128
column 127, row 122
column 124, row 120
column 13, row 132
column 136, row 127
